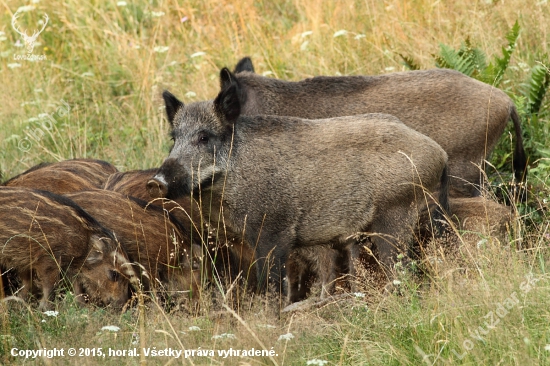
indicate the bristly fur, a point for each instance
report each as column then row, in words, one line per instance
column 467, row 128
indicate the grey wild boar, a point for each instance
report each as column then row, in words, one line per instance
column 464, row 116
column 288, row 183
column 44, row 235
column 64, row 176
column 227, row 251
column 158, row 244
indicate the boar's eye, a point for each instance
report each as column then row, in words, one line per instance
column 114, row 276
column 203, row 138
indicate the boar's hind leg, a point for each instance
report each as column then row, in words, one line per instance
column 298, row 272
column 392, row 234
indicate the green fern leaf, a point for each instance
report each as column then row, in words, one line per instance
column 537, row 84
column 409, row 62
column 495, row 71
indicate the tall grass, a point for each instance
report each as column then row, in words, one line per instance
column 109, row 63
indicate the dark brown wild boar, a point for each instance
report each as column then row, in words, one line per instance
column 44, row 235
column 464, row 116
column 64, row 176
column 287, row 183
column 152, row 238
column 230, row 255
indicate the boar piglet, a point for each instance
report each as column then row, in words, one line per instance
column 64, row 176
column 229, row 254
column 158, row 244
column 286, row 183
column 44, row 235
column 133, row 183
column 464, row 116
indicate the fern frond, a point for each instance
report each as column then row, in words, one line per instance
column 495, row 71
column 537, row 84
column 409, row 62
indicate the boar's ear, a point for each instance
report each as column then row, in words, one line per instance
column 96, row 252
column 226, row 78
column 245, row 64
column 228, row 104
column 173, row 104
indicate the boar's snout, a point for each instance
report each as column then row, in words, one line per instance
column 157, row 187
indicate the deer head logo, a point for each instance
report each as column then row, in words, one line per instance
column 30, row 41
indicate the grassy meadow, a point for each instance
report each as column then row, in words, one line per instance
column 97, row 94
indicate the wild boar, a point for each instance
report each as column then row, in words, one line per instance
column 151, row 237
column 64, row 176
column 464, row 116
column 475, row 218
column 227, row 251
column 44, row 235
column 286, row 182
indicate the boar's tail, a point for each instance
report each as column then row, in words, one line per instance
column 443, row 209
column 520, row 159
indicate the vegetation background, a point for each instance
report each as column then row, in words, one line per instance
column 97, row 95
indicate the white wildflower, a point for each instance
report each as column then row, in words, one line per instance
column 396, row 282
column 304, row 45
column 389, row 68
column 359, row 294
column 161, row 49
column 112, row 328
column 547, row 347
column 306, row 33
column 285, row 337
column 25, row 8
column 317, row 362
column 121, row 3
column 224, row 335
column 87, row 73
column 198, row 54
column 14, row 65
column 359, row 36
column 194, row 328
column 267, row 73
column 190, row 94
column 341, row 32
column 157, row 14
column 51, row 313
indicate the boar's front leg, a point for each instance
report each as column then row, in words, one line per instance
column 48, row 278
column 271, row 254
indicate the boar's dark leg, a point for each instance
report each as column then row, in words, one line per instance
column 26, row 281
column 297, row 272
column 48, row 278
column 272, row 251
column 79, row 292
column 392, row 232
